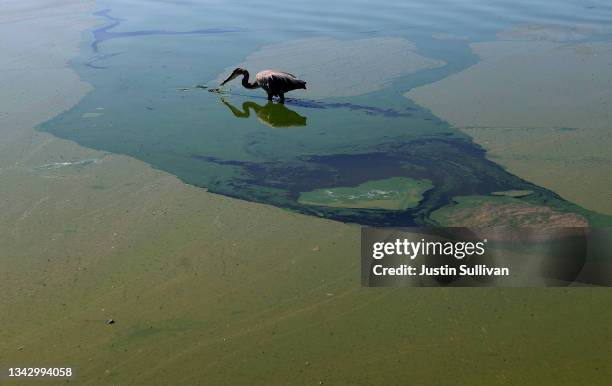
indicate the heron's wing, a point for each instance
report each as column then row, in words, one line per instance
column 278, row 81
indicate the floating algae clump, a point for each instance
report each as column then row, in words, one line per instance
column 513, row 193
column 489, row 211
column 397, row 193
column 217, row 90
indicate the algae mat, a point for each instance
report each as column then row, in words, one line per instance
column 340, row 68
column 392, row 194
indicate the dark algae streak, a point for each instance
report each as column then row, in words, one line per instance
column 106, row 32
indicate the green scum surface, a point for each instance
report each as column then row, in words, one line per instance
column 210, row 290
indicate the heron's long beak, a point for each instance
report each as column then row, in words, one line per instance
column 232, row 76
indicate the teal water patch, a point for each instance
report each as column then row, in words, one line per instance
column 148, row 61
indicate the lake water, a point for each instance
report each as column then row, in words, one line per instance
column 334, row 154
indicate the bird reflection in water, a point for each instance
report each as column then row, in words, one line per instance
column 271, row 114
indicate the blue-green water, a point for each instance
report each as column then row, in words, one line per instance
column 145, row 58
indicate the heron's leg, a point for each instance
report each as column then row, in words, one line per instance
column 269, row 96
column 282, row 98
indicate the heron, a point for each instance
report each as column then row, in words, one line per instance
column 275, row 83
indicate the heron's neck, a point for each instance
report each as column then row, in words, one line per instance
column 245, row 81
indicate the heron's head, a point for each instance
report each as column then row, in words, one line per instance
column 237, row 72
